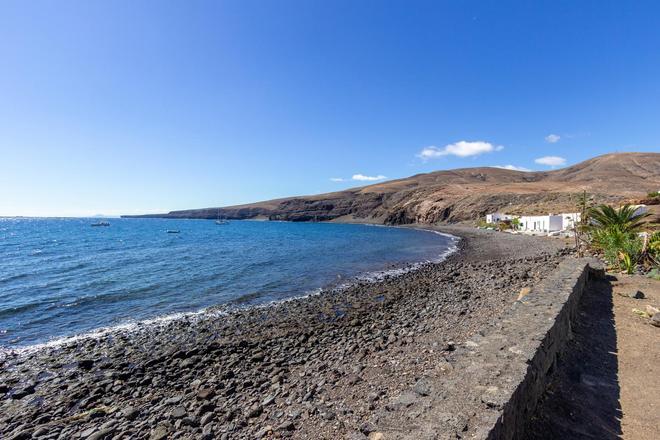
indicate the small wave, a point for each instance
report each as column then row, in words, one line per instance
column 142, row 325
column 11, row 311
column 122, row 328
column 245, row 298
column 307, row 294
column 11, row 278
column 380, row 275
column 110, row 296
column 375, row 276
column 74, row 267
column 217, row 311
column 131, row 326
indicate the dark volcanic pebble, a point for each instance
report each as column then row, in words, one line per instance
column 318, row 367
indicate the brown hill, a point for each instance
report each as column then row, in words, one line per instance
column 462, row 194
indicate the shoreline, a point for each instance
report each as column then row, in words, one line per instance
column 316, row 367
column 233, row 306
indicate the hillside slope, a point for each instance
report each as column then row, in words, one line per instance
column 462, row 194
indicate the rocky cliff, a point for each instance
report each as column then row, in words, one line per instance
column 462, row 194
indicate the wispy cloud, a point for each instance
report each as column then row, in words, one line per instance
column 337, row 179
column 460, row 149
column 552, row 138
column 363, row 178
column 512, row 167
column 551, row 161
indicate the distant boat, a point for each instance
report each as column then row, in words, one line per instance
column 220, row 222
column 101, row 224
column 172, row 231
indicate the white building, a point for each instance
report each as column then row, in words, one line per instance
column 550, row 222
column 569, row 219
column 497, row 217
column 541, row 223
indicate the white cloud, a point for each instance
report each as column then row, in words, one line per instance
column 363, row 178
column 337, row 179
column 552, row 138
column 460, row 149
column 512, row 167
column 551, row 161
column 430, row 153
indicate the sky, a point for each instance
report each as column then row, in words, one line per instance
column 128, row 107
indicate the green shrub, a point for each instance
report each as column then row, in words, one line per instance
column 622, row 250
column 483, row 224
column 614, row 232
column 654, row 194
column 624, row 219
column 654, row 244
column 627, row 264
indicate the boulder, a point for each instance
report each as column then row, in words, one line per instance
column 638, row 295
column 655, row 321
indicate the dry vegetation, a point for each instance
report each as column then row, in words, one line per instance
column 465, row 194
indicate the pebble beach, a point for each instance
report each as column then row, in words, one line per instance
column 324, row 366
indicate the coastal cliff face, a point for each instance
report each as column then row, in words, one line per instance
column 462, row 194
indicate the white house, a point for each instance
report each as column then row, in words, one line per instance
column 497, row 217
column 569, row 219
column 550, row 222
column 541, row 223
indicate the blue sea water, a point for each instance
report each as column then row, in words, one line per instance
column 61, row 277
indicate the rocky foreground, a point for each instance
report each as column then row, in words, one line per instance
column 321, row 367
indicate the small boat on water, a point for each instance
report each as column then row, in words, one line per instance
column 172, row 231
column 219, row 221
column 101, row 224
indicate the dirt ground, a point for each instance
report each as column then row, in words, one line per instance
column 639, row 357
column 606, row 386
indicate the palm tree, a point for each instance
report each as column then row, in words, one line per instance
column 614, row 232
column 581, row 226
column 624, row 219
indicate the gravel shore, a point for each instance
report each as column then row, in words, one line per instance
column 317, row 367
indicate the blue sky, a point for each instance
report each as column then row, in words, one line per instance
column 149, row 106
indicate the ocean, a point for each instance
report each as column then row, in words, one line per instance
column 63, row 277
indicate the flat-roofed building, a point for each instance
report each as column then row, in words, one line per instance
column 497, row 217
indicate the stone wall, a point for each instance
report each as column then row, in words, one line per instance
column 489, row 386
column 524, row 350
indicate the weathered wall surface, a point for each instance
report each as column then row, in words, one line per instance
column 495, row 379
column 540, row 325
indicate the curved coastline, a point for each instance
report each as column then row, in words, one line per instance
column 215, row 311
column 320, row 367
